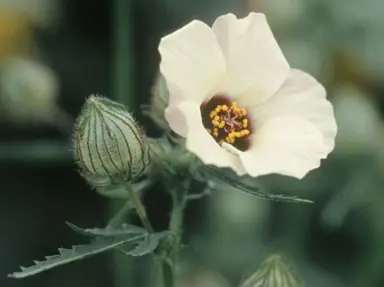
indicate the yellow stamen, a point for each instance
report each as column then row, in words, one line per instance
column 228, row 123
column 244, row 132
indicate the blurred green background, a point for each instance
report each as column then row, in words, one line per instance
column 55, row 53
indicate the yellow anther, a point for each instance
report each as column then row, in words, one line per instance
column 218, row 109
column 222, row 124
column 212, row 114
column 216, row 118
column 215, row 134
column 215, row 129
column 238, row 134
column 224, row 108
column 236, row 110
column 215, row 123
column 234, row 105
column 243, row 112
column 244, row 132
column 209, row 131
column 245, row 123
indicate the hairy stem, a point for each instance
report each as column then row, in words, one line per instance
column 140, row 209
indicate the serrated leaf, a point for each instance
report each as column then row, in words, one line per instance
column 147, row 245
column 79, row 252
column 125, row 229
column 234, row 182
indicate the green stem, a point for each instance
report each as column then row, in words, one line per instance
column 118, row 219
column 176, row 223
column 140, row 209
column 168, row 273
column 179, row 199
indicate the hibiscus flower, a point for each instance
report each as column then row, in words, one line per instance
column 238, row 103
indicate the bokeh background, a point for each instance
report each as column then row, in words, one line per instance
column 54, row 53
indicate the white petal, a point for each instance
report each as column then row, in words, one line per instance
column 192, row 63
column 285, row 145
column 255, row 63
column 185, row 119
column 300, row 96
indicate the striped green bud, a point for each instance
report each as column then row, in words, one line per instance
column 273, row 272
column 109, row 145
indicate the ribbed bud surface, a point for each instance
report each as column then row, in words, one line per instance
column 273, row 272
column 109, row 143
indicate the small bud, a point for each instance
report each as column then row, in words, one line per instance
column 159, row 101
column 273, row 272
column 108, row 143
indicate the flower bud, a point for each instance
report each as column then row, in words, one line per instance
column 109, row 145
column 273, row 272
column 159, row 101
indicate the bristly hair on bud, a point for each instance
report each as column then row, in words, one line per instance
column 273, row 272
column 109, row 144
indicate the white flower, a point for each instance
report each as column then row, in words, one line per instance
column 237, row 102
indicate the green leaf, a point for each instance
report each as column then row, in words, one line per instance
column 216, row 173
column 79, row 252
column 147, row 245
column 125, row 229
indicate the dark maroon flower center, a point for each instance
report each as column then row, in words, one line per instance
column 226, row 122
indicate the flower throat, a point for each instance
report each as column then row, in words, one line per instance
column 226, row 122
